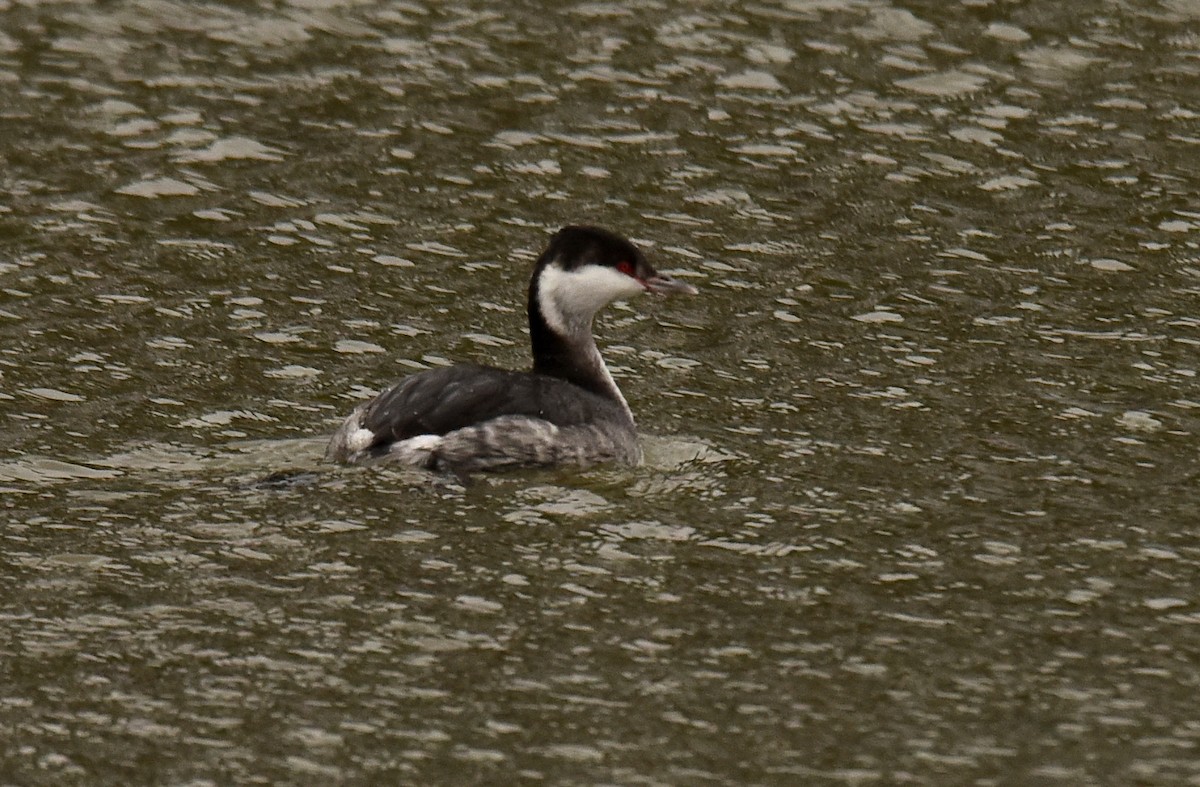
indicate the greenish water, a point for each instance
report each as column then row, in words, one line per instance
column 921, row 491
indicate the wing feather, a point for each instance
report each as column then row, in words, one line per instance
column 442, row 400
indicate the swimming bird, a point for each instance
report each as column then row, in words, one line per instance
column 566, row 410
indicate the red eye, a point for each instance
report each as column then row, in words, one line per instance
column 625, row 267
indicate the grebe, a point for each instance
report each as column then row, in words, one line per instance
column 566, row 411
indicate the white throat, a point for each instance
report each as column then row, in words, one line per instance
column 570, row 299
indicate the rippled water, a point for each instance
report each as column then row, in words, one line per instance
column 921, row 491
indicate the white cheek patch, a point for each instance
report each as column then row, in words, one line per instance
column 569, row 299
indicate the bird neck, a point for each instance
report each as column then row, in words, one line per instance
column 564, row 347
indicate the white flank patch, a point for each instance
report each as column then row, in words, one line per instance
column 420, row 442
column 415, row 450
column 569, row 299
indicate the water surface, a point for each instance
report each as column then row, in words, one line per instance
column 919, row 504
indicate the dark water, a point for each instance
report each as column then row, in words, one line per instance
column 921, row 496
